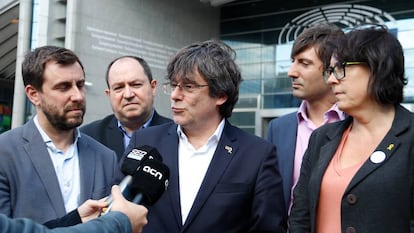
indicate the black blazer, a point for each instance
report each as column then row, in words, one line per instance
column 106, row 131
column 379, row 198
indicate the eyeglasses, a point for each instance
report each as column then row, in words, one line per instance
column 339, row 70
column 186, row 87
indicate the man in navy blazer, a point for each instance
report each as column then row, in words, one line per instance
column 222, row 179
column 107, row 131
column 48, row 167
column 131, row 91
column 290, row 133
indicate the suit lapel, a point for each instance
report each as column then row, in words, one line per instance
column 169, row 152
column 388, row 145
column 324, row 156
column 286, row 154
column 37, row 152
column 226, row 148
column 326, row 153
column 114, row 137
column 86, row 168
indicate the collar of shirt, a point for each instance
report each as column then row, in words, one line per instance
column 214, row 138
column 333, row 114
column 46, row 137
column 146, row 125
column 193, row 165
column 127, row 137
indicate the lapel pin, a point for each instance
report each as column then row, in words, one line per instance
column 390, row 146
column 229, row 149
column 377, row 157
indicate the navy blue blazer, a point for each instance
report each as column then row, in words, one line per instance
column 28, row 183
column 282, row 133
column 379, row 198
column 241, row 191
column 106, row 131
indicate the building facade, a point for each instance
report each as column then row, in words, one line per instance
column 261, row 32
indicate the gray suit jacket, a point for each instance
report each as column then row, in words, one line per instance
column 379, row 198
column 28, row 183
column 110, row 223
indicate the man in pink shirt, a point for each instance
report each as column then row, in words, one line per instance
column 290, row 133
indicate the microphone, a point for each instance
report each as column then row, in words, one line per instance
column 131, row 166
column 149, row 182
column 136, row 156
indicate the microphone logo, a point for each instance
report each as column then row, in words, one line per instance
column 152, row 172
column 137, row 154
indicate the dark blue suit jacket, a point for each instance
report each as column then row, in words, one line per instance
column 282, row 133
column 106, row 131
column 241, row 192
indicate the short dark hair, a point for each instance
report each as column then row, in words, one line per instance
column 33, row 65
column 140, row 60
column 384, row 56
column 317, row 36
column 215, row 62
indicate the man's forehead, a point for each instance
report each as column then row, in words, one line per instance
column 190, row 76
column 64, row 72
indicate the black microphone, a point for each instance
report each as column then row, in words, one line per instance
column 136, row 156
column 130, row 166
column 149, row 182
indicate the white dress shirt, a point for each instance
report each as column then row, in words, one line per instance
column 193, row 165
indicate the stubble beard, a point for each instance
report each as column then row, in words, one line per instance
column 61, row 121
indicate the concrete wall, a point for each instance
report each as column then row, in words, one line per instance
column 101, row 30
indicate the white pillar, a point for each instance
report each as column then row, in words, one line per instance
column 23, row 46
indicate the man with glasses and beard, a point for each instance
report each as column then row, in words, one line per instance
column 48, row 168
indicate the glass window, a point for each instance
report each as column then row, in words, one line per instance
column 268, row 54
column 251, row 71
column 277, row 84
column 243, row 118
column 269, row 70
column 250, row 87
column 247, row 102
column 279, row 100
column 248, row 55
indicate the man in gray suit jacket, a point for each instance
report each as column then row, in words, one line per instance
column 48, row 167
column 131, row 91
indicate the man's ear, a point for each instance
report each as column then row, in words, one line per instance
column 32, row 94
column 153, row 84
column 221, row 99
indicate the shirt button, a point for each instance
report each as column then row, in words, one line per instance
column 351, row 199
column 350, row 230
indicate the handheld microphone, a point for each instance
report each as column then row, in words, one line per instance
column 136, row 156
column 130, row 166
column 149, row 182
